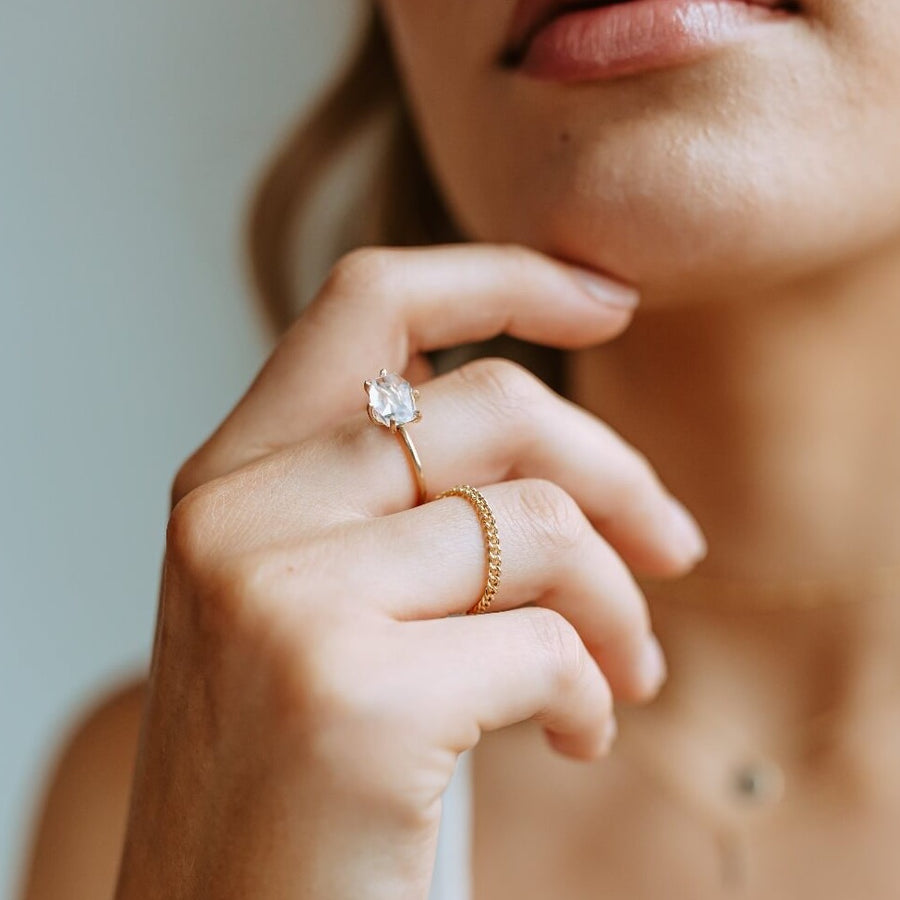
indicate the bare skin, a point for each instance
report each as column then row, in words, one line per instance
column 759, row 219
column 305, row 708
column 757, row 377
column 81, row 819
column 773, row 508
column 599, row 821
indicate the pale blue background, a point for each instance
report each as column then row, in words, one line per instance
column 129, row 136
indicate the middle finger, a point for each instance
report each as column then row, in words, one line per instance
column 491, row 420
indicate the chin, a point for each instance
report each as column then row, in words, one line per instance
column 694, row 215
column 675, row 257
column 765, row 161
column 713, row 237
column 716, row 238
column 732, row 176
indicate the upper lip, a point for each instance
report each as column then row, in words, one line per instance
column 530, row 16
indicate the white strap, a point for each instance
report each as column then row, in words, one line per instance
column 453, row 866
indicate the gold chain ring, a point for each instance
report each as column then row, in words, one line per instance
column 491, row 542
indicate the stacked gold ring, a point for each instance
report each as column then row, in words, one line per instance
column 392, row 403
column 491, row 542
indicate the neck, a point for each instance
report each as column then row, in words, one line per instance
column 774, row 418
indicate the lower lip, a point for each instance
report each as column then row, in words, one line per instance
column 638, row 36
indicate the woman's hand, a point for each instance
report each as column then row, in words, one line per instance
column 309, row 692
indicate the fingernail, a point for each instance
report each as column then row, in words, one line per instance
column 653, row 670
column 688, row 534
column 613, row 293
column 610, row 731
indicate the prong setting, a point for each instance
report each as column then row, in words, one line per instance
column 392, row 400
column 392, row 403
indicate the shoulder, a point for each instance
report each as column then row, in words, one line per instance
column 74, row 850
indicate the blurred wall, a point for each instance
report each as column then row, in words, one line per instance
column 129, row 136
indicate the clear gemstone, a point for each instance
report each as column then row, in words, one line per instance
column 391, row 400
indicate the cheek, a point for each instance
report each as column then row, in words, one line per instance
column 443, row 47
column 765, row 163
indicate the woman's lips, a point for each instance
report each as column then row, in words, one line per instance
column 635, row 36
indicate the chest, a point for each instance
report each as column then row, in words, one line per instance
column 549, row 827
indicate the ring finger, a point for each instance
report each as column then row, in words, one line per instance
column 429, row 562
column 486, row 422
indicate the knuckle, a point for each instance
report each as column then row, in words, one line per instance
column 241, row 583
column 561, row 645
column 524, row 264
column 230, row 585
column 285, row 590
column 361, row 267
column 250, row 604
column 518, row 256
column 506, row 387
column 550, row 515
column 235, row 598
column 189, row 531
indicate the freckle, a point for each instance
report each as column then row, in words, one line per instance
column 564, row 137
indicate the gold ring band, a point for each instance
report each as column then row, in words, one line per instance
column 491, row 542
column 414, row 461
column 392, row 403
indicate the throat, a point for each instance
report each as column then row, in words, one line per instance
column 772, row 418
column 810, row 692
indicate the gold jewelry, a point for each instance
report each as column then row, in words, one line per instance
column 392, row 403
column 491, row 542
column 770, row 595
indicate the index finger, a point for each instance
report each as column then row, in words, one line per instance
column 381, row 307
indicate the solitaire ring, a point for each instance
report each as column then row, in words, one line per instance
column 392, row 403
